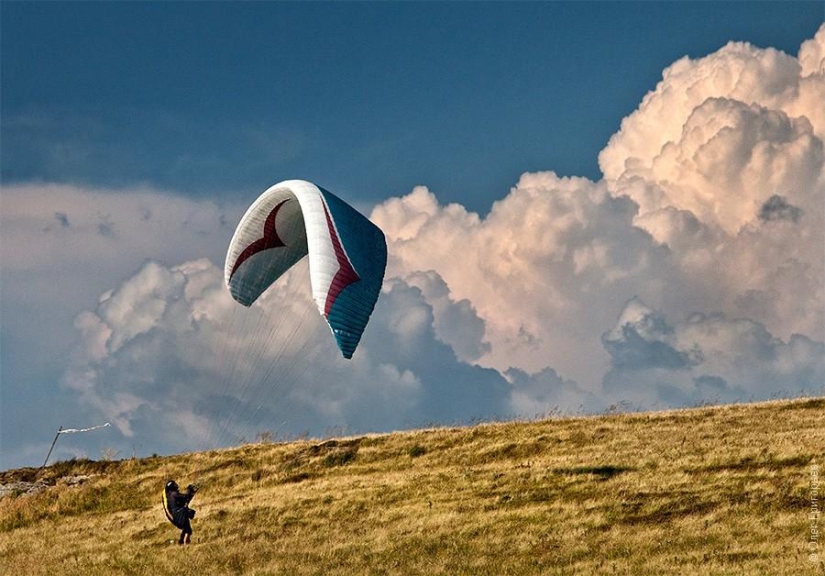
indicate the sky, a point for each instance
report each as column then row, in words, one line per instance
column 587, row 206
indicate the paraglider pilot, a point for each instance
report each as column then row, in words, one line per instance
column 176, row 507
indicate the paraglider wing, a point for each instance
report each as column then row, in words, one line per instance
column 347, row 254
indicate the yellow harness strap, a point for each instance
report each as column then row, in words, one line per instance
column 166, row 507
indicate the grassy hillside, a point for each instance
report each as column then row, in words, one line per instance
column 719, row 490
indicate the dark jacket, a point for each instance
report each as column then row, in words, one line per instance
column 176, row 504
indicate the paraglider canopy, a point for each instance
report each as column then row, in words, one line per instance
column 347, row 254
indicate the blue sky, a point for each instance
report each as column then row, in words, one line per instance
column 585, row 203
column 215, row 99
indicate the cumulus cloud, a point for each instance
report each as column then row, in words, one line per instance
column 737, row 74
column 169, row 350
column 749, row 152
column 705, row 358
column 61, row 246
column 455, row 323
column 812, row 54
column 546, row 393
column 83, row 240
column 712, row 202
column 545, row 270
column 725, row 161
column 639, row 341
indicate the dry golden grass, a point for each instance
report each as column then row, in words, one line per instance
column 721, row 490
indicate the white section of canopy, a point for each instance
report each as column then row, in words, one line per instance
column 304, row 231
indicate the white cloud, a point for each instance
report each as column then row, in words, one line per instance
column 63, row 245
column 706, row 358
column 182, row 357
column 546, row 393
column 738, row 72
column 749, row 153
column 545, row 270
column 725, row 159
column 812, row 54
column 712, row 202
column 63, row 225
column 455, row 323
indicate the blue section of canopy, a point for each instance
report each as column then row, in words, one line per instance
column 365, row 246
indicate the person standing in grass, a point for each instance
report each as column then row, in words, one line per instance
column 177, row 510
